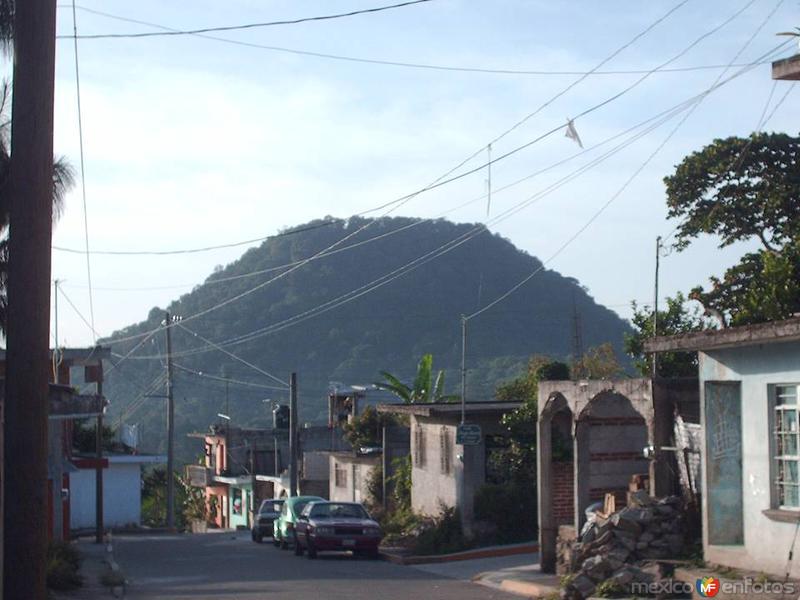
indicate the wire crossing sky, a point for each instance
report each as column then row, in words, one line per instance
column 196, row 150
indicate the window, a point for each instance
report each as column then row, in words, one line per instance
column 786, row 446
column 339, row 475
column 419, row 446
column 445, row 450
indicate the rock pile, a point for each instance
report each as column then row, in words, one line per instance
column 610, row 550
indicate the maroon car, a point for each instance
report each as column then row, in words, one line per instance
column 324, row 526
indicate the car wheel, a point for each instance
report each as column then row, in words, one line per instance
column 312, row 552
column 298, row 549
column 257, row 539
column 373, row 554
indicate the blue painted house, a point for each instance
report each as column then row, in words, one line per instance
column 750, row 409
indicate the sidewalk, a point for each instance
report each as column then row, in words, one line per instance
column 526, row 580
column 93, row 566
column 514, row 573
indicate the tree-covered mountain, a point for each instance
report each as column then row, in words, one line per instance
column 314, row 319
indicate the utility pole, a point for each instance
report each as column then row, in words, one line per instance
column 293, row 487
column 463, row 369
column 253, row 482
column 98, row 472
column 30, row 194
column 655, row 306
column 170, row 429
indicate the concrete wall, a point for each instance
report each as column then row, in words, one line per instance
column 767, row 541
column 122, row 496
column 357, row 472
column 430, row 488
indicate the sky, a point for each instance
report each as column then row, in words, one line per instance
column 190, row 142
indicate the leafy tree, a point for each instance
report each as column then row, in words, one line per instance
column 739, row 189
column 597, row 363
column 520, row 421
column 742, row 189
column 425, row 388
column 764, row 286
column 84, row 439
column 365, row 429
column 675, row 319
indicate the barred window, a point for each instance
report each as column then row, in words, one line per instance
column 339, row 475
column 445, row 450
column 787, row 448
column 419, row 446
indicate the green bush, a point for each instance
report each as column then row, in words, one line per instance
column 444, row 535
column 511, row 508
column 63, row 567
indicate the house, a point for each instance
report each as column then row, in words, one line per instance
column 443, row 472
column 591, row 441
column 122, row 489
column 234, row 459
column 749, row 388
column 351, row 474
column 787, row 69
column 67, row 406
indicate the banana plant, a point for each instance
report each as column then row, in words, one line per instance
column 425, row 389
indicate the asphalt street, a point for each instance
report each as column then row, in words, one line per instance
column 223, row 566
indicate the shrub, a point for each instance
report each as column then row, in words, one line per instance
column 511, row 507
column 443, row 534
column 374, row 485
column 63, row 566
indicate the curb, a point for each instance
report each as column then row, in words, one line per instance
column 400, row 559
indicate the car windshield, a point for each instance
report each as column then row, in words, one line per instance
column 299, row 506
column 270, row 507
column 333, row 510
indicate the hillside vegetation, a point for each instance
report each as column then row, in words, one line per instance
column 387, row 329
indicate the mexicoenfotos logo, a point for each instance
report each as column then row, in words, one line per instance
column 707, row 587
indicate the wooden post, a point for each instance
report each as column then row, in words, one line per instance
column 30, row 194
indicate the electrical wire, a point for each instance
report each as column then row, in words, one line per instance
column 83, row 171
column 232, row 355
column 227, row 379
column 195, row 250
column 77, row 312
column 405, row 64
column 148, row 34
column 383, row 280
column 445, row 178
column 625, row 185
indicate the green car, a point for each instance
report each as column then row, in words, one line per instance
column 283, row 527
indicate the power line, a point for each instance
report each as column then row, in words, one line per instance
column 232, row 355
column 625, row 185
column 83, row 171
column 439, row 251
column 148, row 34
column 227, row 379
column 445, row 179
column 77, row 312
column 381, row 281
column 406, row 64
column 195, row 250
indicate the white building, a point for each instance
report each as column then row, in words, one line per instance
column 122, row 490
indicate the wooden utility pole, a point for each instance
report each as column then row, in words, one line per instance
column 98, row 473
column 293, row 435
column 30, row 194
column 170, row 429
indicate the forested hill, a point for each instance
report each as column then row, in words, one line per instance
column 388, row 328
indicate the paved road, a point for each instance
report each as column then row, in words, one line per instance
column 222, row 566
